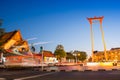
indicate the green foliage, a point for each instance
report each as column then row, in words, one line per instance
column 60, row 53
column 69, row 56
column 81, row 56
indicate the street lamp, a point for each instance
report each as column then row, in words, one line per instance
column 78, row 54
column 75, row 57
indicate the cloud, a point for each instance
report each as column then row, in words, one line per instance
column 31, row 38
column 37, row 43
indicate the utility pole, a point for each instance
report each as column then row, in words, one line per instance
column 41, row 50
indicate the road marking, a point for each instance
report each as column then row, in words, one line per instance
column 2, row 79
column 34, row 76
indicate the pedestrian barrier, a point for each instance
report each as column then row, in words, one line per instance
column 101, row 70
column 53, row 70
column 114, row 69
column 87, row 70
column 44, row 70
column 77, row 68
column 62, row 70
column 73, row 68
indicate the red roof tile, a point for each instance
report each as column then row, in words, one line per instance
column 48, row 54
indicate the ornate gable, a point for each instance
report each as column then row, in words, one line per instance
column 11, row 39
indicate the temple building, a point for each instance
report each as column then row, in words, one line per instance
column 11, row 40
column 16, row 51
column 49, row 57
column 112, row 55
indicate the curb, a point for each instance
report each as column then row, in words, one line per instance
column 88, row 70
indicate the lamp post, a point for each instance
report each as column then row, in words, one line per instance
column 75, row 57
column 78, row 54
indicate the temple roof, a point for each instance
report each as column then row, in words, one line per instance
column 8, row 39
column 48, row 54
column 45, row 53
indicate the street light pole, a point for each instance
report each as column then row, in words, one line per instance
column 75, row 57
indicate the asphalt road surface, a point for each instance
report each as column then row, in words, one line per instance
column 73, row 75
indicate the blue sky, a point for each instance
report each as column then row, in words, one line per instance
column 63, row 22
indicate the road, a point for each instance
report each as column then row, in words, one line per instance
column 72, row 75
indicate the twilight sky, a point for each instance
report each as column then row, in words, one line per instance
column 63, row 22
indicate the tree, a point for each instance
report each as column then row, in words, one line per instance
column 60, row 52
column 80, row 55
column 69, row 55
column 90, row 59
column 83, row 56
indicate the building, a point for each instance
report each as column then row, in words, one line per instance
column 17, row 52
column 31, row 60
column 23, row 60
column 12, row 40
column 112, row 55
column 49, row 57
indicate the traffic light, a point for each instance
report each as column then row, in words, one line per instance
column 41, row 49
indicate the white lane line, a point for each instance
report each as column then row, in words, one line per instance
column 34, row 76
column 2, row 79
